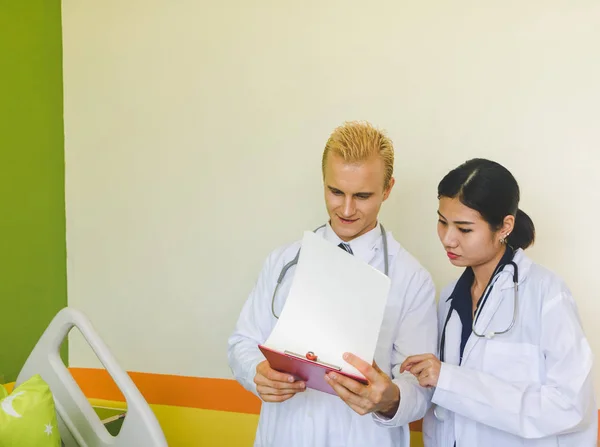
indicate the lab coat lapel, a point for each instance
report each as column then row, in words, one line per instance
column 375, row 250
column 452, row 344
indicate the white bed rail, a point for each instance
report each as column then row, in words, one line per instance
column 79, row 425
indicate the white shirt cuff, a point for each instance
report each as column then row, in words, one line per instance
column 405, row 398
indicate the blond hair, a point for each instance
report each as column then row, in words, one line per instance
column 356, row 141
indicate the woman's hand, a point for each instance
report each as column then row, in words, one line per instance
column 425, row 367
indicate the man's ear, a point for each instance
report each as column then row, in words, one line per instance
column 388, row 190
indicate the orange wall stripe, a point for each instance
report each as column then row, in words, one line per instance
column 164, row 389
column 416, row 426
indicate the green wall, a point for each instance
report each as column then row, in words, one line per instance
column 32, row 208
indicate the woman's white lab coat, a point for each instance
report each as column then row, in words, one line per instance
column 529, row 387
column 316, row 419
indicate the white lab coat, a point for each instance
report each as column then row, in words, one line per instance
column 316, row 419
column 529, row 387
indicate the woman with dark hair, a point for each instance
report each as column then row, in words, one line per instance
column 514, row 365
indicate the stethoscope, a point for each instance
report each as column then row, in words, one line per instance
column 295, row 261
column 439, row 412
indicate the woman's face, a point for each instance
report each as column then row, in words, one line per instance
column 466, row 237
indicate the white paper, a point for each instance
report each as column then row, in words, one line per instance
column 335, row 305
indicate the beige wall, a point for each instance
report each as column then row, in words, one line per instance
column 194, row 132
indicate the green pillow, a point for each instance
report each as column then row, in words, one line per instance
column 28, row 416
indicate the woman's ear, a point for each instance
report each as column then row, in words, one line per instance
column 507, row 226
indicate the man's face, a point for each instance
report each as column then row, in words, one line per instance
column 354, row 193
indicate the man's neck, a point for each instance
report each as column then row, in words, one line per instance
column 362, row 233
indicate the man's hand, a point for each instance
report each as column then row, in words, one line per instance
column 381, row 395
column 273, row 386
column 425, row 367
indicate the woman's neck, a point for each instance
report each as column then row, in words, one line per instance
column 483, row 272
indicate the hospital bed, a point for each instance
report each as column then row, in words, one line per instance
column 78, row 423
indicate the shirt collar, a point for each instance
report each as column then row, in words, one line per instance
column 363, row 246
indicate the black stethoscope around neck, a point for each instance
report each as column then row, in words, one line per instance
column 486, row 294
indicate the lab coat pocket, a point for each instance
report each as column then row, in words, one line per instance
column 513, row 362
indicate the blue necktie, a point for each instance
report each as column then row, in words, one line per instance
column 345, row 247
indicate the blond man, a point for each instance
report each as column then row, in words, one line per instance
column 357, row 165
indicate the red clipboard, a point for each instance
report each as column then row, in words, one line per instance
column 312, row 372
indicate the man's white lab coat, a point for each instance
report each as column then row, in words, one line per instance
column 316, row 419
